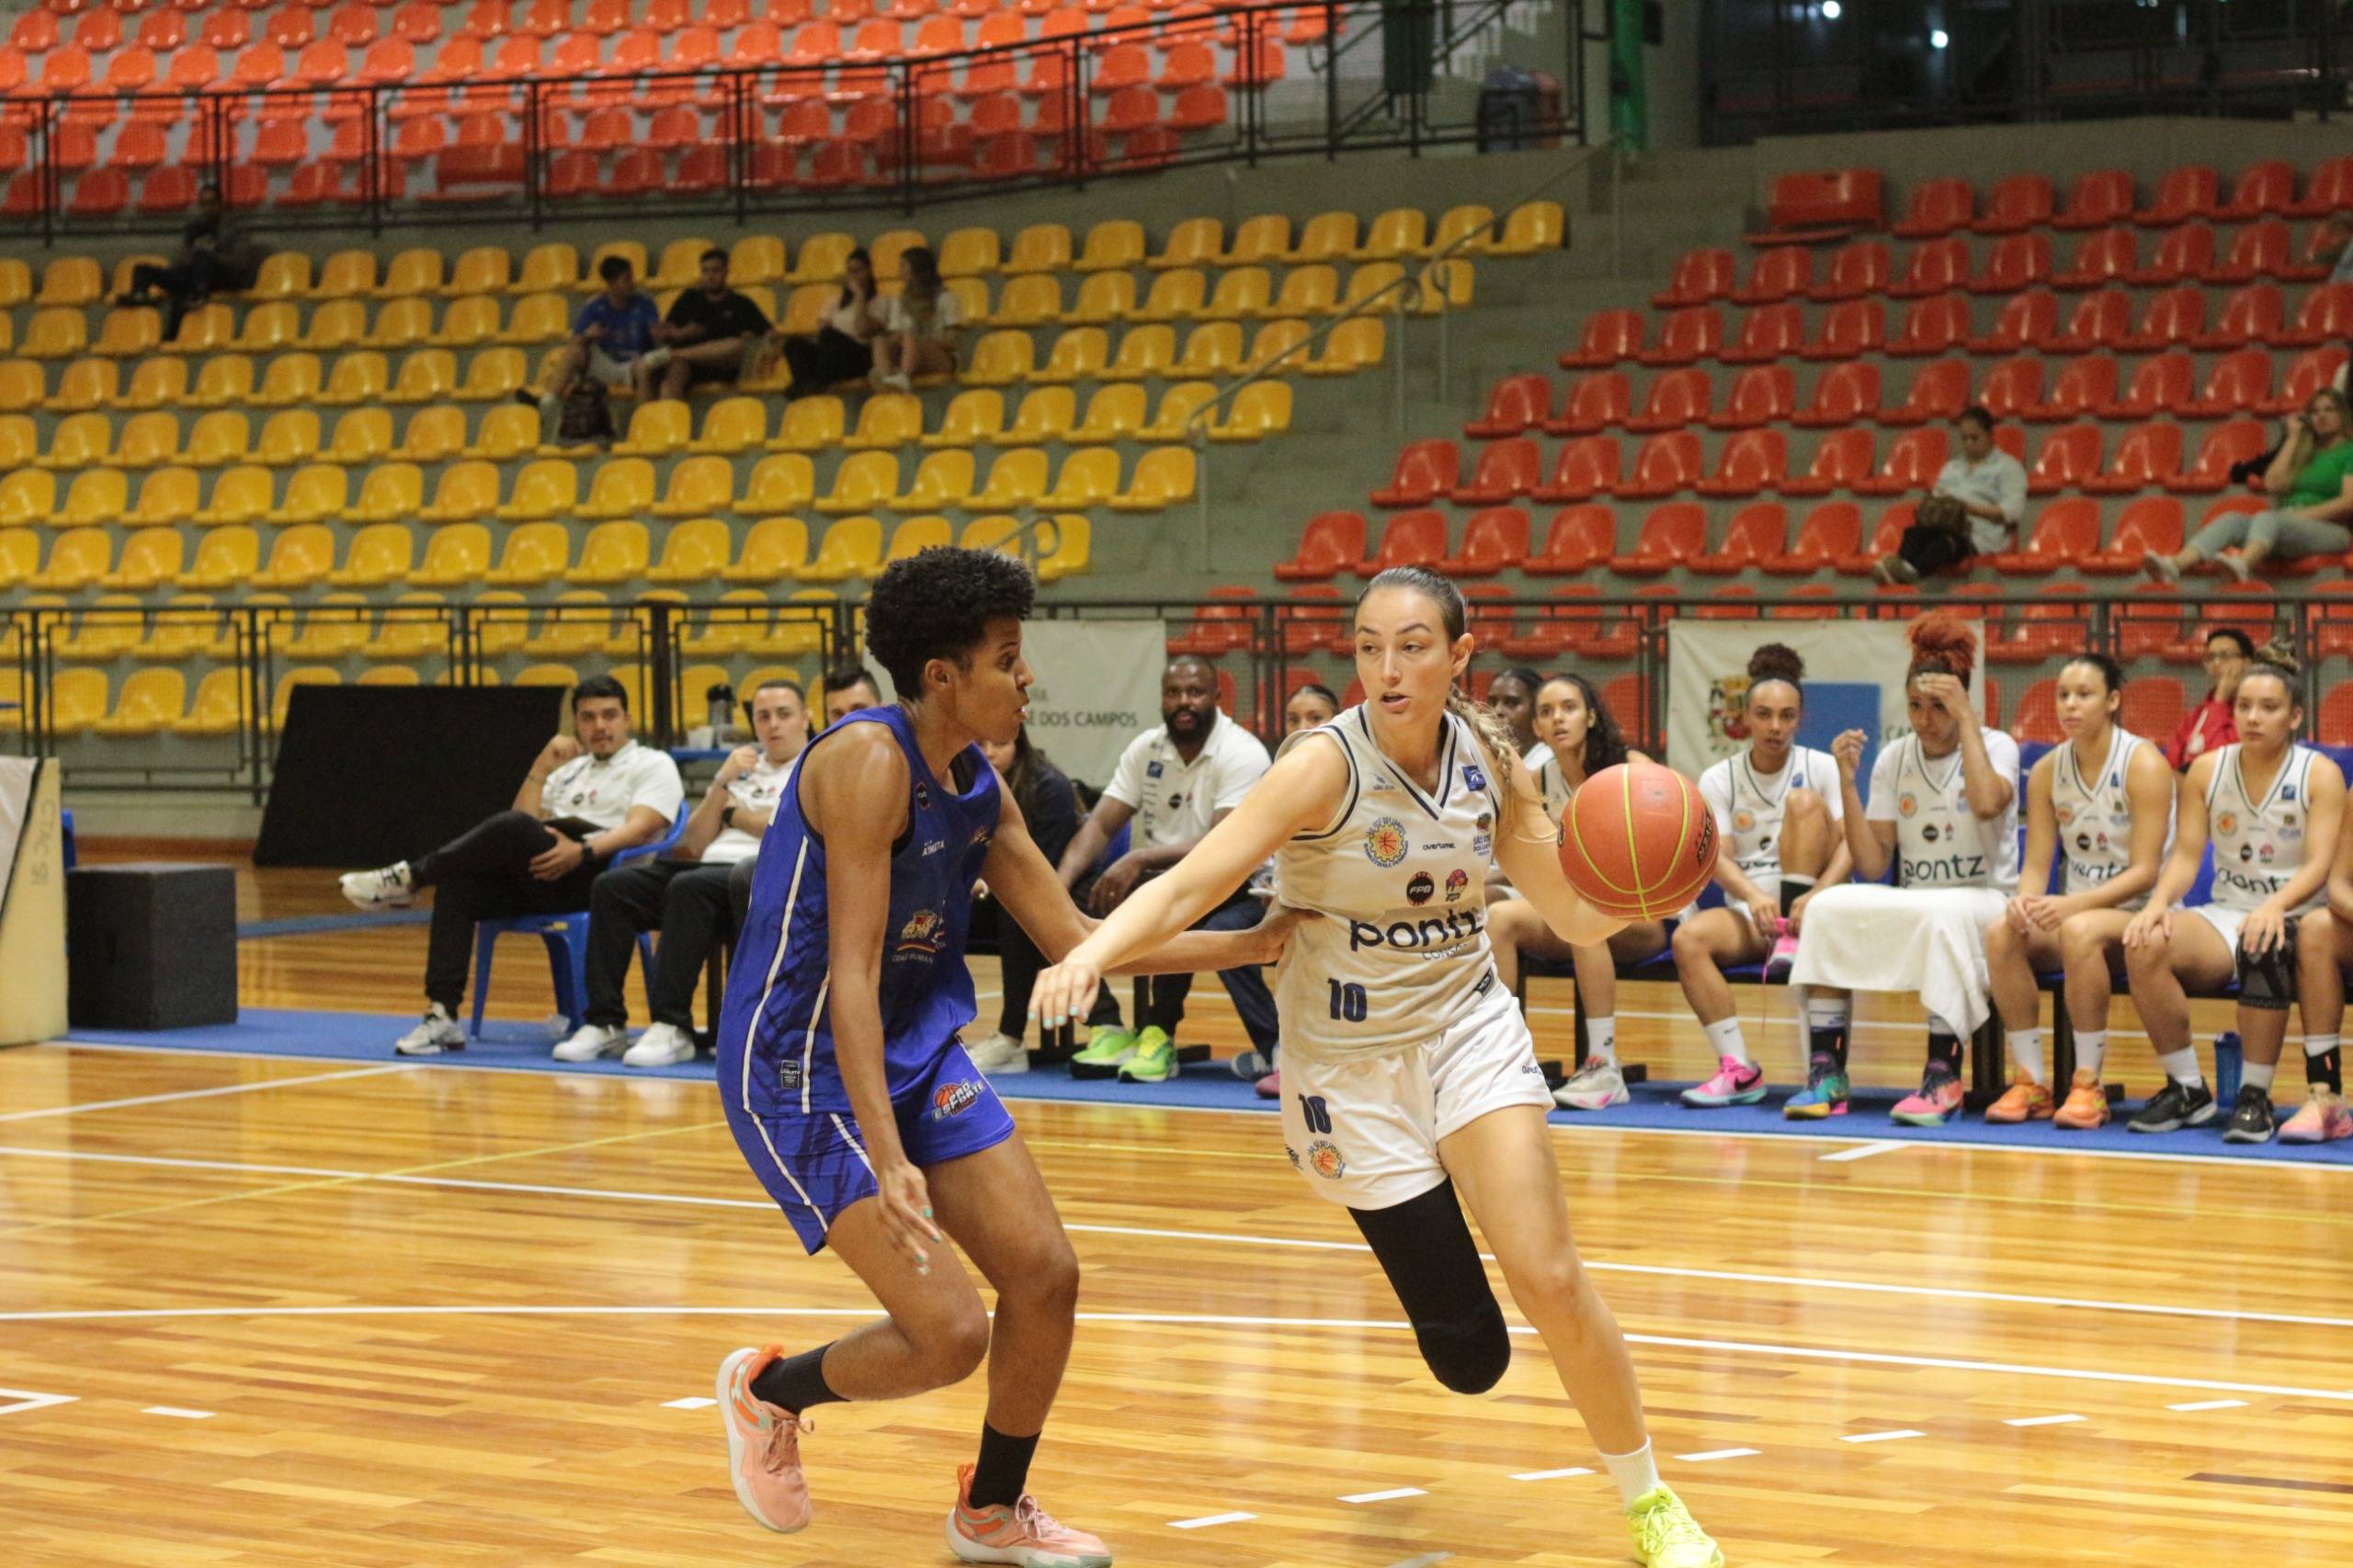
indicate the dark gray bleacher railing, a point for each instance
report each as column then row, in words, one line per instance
column 530, row 169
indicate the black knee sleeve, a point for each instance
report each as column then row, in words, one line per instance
column 1425, row 1247
column 2268, row 981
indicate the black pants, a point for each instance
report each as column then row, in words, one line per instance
column 688, row 903
column 180, row 284
column 1021, row 962
column 1930, row 551
column 825, row 359
column 485, row 874
column 1164, row 994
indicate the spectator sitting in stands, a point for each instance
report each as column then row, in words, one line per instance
column 1311, row 705
column 2311, row 480
column 216, row 256
column 684, row 895
column 589, row 795
column 610, row 337
column 712, row 333
column 2209, row 726
column 1975, row 508
column 841, row 349
column 849, row 688
column 920, row 325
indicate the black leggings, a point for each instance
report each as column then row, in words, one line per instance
column 1425, row 1247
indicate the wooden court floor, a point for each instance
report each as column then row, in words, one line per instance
column 382, row 1314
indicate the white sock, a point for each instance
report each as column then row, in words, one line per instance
column 1725, row 1038
column 2257, row 1076
column 1602, row 1039
column 2091, row 1050
column 2181, row 1066
column 1828, row 1013
column 2026, row 1049
column 1635, row 1473
column 2320, row 1044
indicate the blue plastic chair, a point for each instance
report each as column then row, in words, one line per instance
column 566, row 936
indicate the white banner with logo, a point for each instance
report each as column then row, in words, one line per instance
column 1097, row 687
column 1854, row 680
column 32, row 905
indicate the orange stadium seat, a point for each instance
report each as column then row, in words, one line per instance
column 1677, row 399
column 1857, row 269
column 1577, row 538
column 1760, row 394
column 1409, row 538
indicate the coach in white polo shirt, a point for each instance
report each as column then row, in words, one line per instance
column 589, row 795
column 1175, row 783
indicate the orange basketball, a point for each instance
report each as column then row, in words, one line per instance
column 1638, row 842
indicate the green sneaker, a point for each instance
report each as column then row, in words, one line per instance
column 1666, row 1536
column 1108, row 1048
column 1154, row 1060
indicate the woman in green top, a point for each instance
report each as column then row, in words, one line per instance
column 2312, row 478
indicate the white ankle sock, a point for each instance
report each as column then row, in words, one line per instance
column 1726, row 1036
column 2026, row 1049
column 2257, row 1076
column 1635, row 1473
column 2181, row 1065
column 1820, row 1014
column 2320, row 1044
column 2091, row 1050
column 1602, row 1039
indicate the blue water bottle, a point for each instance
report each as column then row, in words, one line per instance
column 2226, row 1068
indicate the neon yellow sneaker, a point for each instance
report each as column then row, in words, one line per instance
column 1154, row 1060
column 1666, row 1536
column 1107, row 1049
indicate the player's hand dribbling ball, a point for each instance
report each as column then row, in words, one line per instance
column 1637, row 841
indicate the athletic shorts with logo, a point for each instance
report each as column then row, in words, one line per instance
column 815, row 1164
column 1365, row 1131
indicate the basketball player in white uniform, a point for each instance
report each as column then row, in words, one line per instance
column 2271, row 808
column 1407, row 1070
column 2323, row 949
column 1776, row 806
column 2103, row 802
column 1944, row 812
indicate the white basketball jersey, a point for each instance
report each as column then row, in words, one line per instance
column 1400, row 877
column 2259, row 846
column 2094, row 814
column 1937, row 838
column 1748, row 806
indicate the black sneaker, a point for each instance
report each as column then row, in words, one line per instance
column 2251, row 1119
column 2174, row 1107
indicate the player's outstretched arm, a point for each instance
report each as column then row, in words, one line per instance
column 1529, row 850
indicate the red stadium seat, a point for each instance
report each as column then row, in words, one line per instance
column 99, row 193
column 1760, row 394
column 2240, row 382
column 2100, row 198
column 1912, row 463
column 2084, row 385
column 1587, row 467
column 2066, row 533
column 2183, row 194
column 1842, row 394
column 1516, row 405
column 1752, row 462
column 1936, row 268
column 1578, row 539
column 1832, row 529
column 1782, row 273
column 1759, row 532
column 1769, row 331
column 1857, row 269
column 1689, row 335
column 1610, row 337
column 1666, row 463
column 1309, row 621
column 1938, row 207
column 2225, row 445
column 2265, row 250
column 1884, row 537
column 1410, row 538
column 2261, row 188
column 1677, row 399
column 1670, row 537
column 1700, row 278
column 2325, row 316
column 2015, row 262
column 1849, row 331
column 2186, row 254
column 1827, row 203
column 2109, row 256
column 2037, row 715
column 1493, row 540
column 2330, row 189
column 2013, row 389
column 1841, row 462
column 2098, row 321
column 1226, row 625
column 2027, row 321
column 2151, row 523
column 1731, row 601
column 2174, row 318
column 1332, row 542
column 2021, row 201
column 2307, row 373
column 2252, row 314
column 1937, row 325
column 2153, row 624
column 2148, row 457
column 1426, row 470
column 1596, row 400
column 2160, row 385
column 1938, row 391
column 1506, row 469
column 2153, row 707
column 2068, row 458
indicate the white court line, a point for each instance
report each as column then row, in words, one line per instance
column 1879, row 1437
column 2209, row 1405
column 1865, row 1151
column 692, row 1401
column 1713, row 1454
column 1552, row 1474
column 202, row 1093
column 1208, row 1519
column 22, row 1400
column 175, row 1410
column 1389, row 1496
column 2043, row 1421
column 176, row 1164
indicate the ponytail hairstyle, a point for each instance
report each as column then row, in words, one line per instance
column 1604, row 743
column 1488, row 723
column 2111, row 674
column 1777, row 661
column 1942, row 644
column 2278, row 660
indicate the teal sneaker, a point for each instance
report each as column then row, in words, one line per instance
column 1109, row 1047
column 1824, row 1093
column 1154, row 1060
column 1666, row 1536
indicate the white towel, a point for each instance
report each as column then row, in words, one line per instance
column 1930, row 941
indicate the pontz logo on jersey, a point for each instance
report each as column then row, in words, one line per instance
column 1456, row 880
column 1384, row 841
column 1431, row 931
column 921, row 934
column 1326, row 1161
column 1421, row 890
column 954, row 1099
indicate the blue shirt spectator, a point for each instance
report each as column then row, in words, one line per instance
column 628, row 326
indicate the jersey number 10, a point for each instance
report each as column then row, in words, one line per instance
column 1348, row 1002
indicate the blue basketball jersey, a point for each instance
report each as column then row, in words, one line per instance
column 776, row 1035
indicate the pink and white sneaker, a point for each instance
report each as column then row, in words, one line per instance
column 1024, row 1535
column 1933, row 1103
column 1784, row 956
column 763, row 1445
column 1735, row 1082
column 2322, row 1120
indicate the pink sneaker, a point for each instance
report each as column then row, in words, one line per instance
column 1271, row 1087
column 1784, row 956
column 1933, row 1105
column 1735, row 1082
column 2322, row 1120
column 1024, row 1535
column 763, row 1445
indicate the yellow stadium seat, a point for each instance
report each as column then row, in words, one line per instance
column 267, row 328
column 361, row 437
column 996, row 531
column 1327, row 237
column 1143, row 351
column 465, row 492
column 630, row 251
column 773, row 551
column 805, row 308
column 19, row 441
column 378, row 556
column 1257, row 411
column 83, row 384
column 1078, row 355
column 1272, row 342
column 1163, row 476
column 480, row 270
column 494, row 375
column 1177, row 406
column 205, row 329
column 468, row 321
column 863, row 481
column 851, row 547
column 16, row 282
column 108, row 630
column 1033, row 300
column 691, row 553
column 622, row 487
column 390, row 675
column 917, row 534
column 400, row 323
column 299, row 558
column 225, row 558
column 151, row 701
column 413, row 271
column 942, row 479
column 79, row 440
column 728, row 628
column 77, row 700
column 1353, row 345
column 1446, row 286
column 634, row 680
column 219, row 706
column 291, row 379
column 356, row 377
column 396, row 492
column 1213, row 349
column 699, row 485
column 784, row 482
column 821, row 259
column 1459, row 224
column 453, row 556
column 96, row 495
column 156, row 383
column 613, row 552
column 554, row 265
column 336, row 325
column 681, row 264
column 78, row 559
column 437, row 434
column 501, row 621
column 344, row 275
column 184, row 629
column 1103, row 297
column 411, row 629
column 733, row 425
column 218, row 438
column 1241, row 291
column 755, row 258
column 1369, row 280
column 300, row 675
column 1064, row 547
column 289, row 437
column 427, row 376
column 243, row 496
column 968, row 253
column 507, row 431
column 1114, row 412
column 150, row 558
column 1001, row 359
column 128, row 333
column 1533, row 226
column 547, row 675
column 1015, row 478
column 26, row 495
column 19, row 559
column 580, row 622
column 535, row 553
column 887, row 420
column 889, row 246
column 1176, row 295
column 336, row 629
column 1306, row 292
column 972, row 416
column 1262, row 238
column 169, row 496
column 55, row 335
column 537, row 318
column 971, row 298
column 1089, row 476
column 547, row 488
column 1112, row 244
column 71, row 281
column 810, row 425
column 656, row 429
column 1194, row 241
column 1400, row 231
column 1046, row 414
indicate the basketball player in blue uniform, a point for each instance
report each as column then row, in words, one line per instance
column 847, row 1090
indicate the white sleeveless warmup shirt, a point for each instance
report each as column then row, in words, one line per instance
column 1748, row 807
column 2259, row 845
column 1939, row 840
column 2094, row 815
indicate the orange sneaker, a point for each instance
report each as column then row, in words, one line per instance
column 2024, row 1100
column 1024, row 1535
column 763, row 1445
column 2086, row 1106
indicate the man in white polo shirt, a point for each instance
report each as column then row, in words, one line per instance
column 589, row 795
column 683, row 894
column 1175, row 783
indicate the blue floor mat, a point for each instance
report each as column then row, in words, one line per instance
column 518, row 1047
